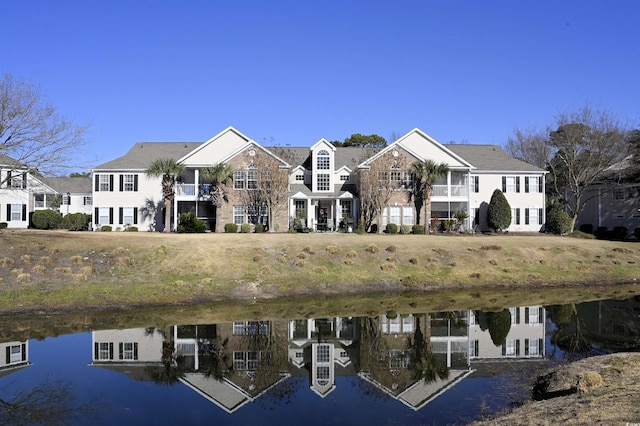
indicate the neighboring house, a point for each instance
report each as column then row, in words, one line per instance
column 15, row 355
column 611, row 206
column 322, row 183
column 74, row 195
column 15, row 182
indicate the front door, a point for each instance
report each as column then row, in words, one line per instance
column 322, row 218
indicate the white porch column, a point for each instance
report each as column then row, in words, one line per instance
column 311, row 214
column 338, row 215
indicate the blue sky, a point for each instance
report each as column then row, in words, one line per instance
column 291, row 72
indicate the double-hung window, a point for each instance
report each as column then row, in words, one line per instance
column 103, row 215
column 239, row 179
column 323, row 182
column 510, row 184
column 323, row 160
column 16, row 212
column 105, row 182
column 128, row 182
column 533, row 184
column 127, row 216
column 238, row 215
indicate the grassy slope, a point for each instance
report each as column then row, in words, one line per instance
column 64, row 271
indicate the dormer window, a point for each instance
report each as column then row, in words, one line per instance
column 323, row 160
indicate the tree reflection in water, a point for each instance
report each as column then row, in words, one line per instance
column 49, row 403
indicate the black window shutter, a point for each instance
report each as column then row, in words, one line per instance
column 24, row 181
column 111, row 350
column 110, row 214
column 96, row 350
column 120, row 214
column 9, row 179
column 110, row 182
column 476, row 218
column 517, row 216
column 540, row 183
column 504, row 184
column 526, row 184
column 24, row 352
column 526, row 216
column 504, row 349
column 121, row 183
column 8, row 212
column 526, row 315
column 24, row 212
column 96, row 185
column 135, row 183
column 540, row 347
column 135, row 351
column 540, row 212
column 476, row 344
column 8, row 355
column 120, row 351
column 540, row 313
column 96, row 215
column 517, row 183
column 135, row 215
column 526, row 346
column 517, row 315
column 518, row 347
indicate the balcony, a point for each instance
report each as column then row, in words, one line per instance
column 185, row 190
column 456, row 191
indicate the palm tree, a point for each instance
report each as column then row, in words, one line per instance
column 425, row 173
column 169, row 169
column 219, row 177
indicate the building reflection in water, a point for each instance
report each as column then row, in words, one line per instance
column 413, row 358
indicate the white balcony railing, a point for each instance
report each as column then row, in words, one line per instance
column 456, row 191
column 185, row 189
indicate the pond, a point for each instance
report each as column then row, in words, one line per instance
column 415, row 368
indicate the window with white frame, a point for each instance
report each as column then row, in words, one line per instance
column 252, row 179
column 127, row 216
column 252, row 360
column 395, row 213
column 619, row 194
column 323, row 353
column 344, row 178
column 533, row 315
column 515, row 315
column 510, row 347
column 515, row 216
column 128, row 351
column 301, row 208
column 533, row 184
column 238, row 328
column 87, row 200
column 475, row 184
column 103, row 215
column 323, row 183
column 323, row 160
column 533, row 216
column 104, row 182
column 238, row 215
column 15, row 354
column 407, row 324
column 239, row 178
column 511, row 184
column 239, row 360
column 300, row 177
column 16, row 212
column 128, row 183
column 532, row 347
column 103, row 351
column 407, row 215
column 322, row 373
column 18, row 182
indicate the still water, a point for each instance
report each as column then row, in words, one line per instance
column 434, row 368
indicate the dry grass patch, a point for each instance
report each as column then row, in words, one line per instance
column 39, row 269
column 299, row 263
column 23, row 278
column 6, row 262
column 388, row 267
column 332, row 249
column 308, row 249
column 588, row 380
column 26, row 259
column 45, row 260
column 283, row 259
column 206, row 281
column 302, row 256
column 63, row 270
column 491, row 247
column 391, row 249
column 257, row 258
column 372, row 248
column 78, row 277
column 266, row 270
column 119, row 250
column 413, row 261
column 349, row 262
column 17, row 271
column 76, row 260
column 88, row 270
column 352, row 254
column 123, row 261
column 321, row 270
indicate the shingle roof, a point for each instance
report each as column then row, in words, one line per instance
column 491, row 158
column 142, row 154
column 5, row 160
column 74, row 185
column 349, row 157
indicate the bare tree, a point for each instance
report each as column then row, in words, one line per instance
column 584, row 147
column 376, row 185
column 267, row 185
column 32, row 132
column 531, row 146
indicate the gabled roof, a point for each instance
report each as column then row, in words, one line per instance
column 5, row 160
column 491, row 158
column 143, row 154
column 74, row 185
column 343, row 157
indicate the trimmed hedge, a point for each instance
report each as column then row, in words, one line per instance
column 230, row 228
column 418, row 229
column 46, row 219
column 392, row 228
column 76, row 222
column 558, row 222
column 188, row 223
column 499, row 212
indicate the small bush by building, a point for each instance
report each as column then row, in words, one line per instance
column 392, row 228
column 46, row 219
column 418, row 229
column 230, row 228
column 558, row 222
column 245, row 228
column 188, row 223
column 76, row 222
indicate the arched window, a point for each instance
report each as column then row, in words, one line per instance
column 322, row 161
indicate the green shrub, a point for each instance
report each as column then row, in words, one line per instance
column 76, row 222
column 132, row 229
column 418, row 229
column 499, row 326
column 245, row 228
column 3, row 225
column 447, row 225
column 620, row 233
column 46, row 219
column 259, row 228
column 499, row 212
column 106, row 228
column 360, row 231
column 392, row 228
column 230, row 228
column 188, row 223
column 405, row 229
column 292, row 231
column 587, row 228
column 558, row 222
